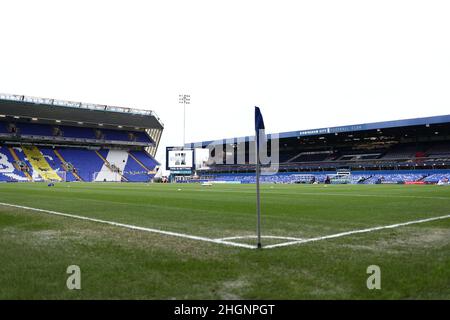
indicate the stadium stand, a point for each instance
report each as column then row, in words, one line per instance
column 36, row 145
column 116, row 135
column 141, row 137
column 75, row 132
column 310, row 157
column 72, row 132
column 59, row 165
column 85, row 161
column 402, row 152
column 40, row 165
column 3, row 128
column 412, row 151
column 144, row 159
column 439, row 151
column 9, row 168
column 373, row 177
column 34, row 129
column 21, row 159
column 435, row 178
column 135, row 170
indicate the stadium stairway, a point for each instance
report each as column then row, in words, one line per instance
column 56, row 165
column 136, row 171
column 294, row 157
column 60, row 157
column 40, row 164
column 139, row 162
column 17, row 159
column 147, row 160
column 117, row 158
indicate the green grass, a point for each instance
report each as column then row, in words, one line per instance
column 36, row 248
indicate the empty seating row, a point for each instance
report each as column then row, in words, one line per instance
column 46, row 130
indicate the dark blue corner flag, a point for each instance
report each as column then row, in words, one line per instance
column 259, row 125
column 259, row 121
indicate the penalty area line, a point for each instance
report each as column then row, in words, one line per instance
column 347, row 233
column 132, row 227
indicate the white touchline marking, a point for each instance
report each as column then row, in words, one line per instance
column 342, row 234
column 320, row 193
column 372, row 195
column 117, row 224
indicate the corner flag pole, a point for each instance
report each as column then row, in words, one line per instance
column 258, row 198
column 259, row 125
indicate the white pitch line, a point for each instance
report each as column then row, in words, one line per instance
column 223, row 240
column 343, row 234
column 128, row 226
column 264, row 237
column 320, row 193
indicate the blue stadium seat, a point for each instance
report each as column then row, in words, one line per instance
column 77, row 132
column 85, row 161
column 115, row 135
column 368, row 177
column 35, row 129
column 3, row 127
column 56, row 163
column 147, row 160
column 134, row 172
column 142, row 137
column 8, row 172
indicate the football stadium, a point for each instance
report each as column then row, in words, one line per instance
column 81, row 186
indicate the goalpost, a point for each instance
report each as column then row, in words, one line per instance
column 38, row 176
column 63, row 175
column 341, row 177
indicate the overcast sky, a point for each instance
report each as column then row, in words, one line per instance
column 307, row 64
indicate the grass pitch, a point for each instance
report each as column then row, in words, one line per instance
column 119, row 263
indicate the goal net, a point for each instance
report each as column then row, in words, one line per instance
column 45, row 176
column 62, row 175
column 341, row 177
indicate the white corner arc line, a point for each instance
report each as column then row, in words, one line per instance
column 133, row 227
column 264, row 237
column 347, row 233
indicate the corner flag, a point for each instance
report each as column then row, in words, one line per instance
column 259, row 121
column 259, row 125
